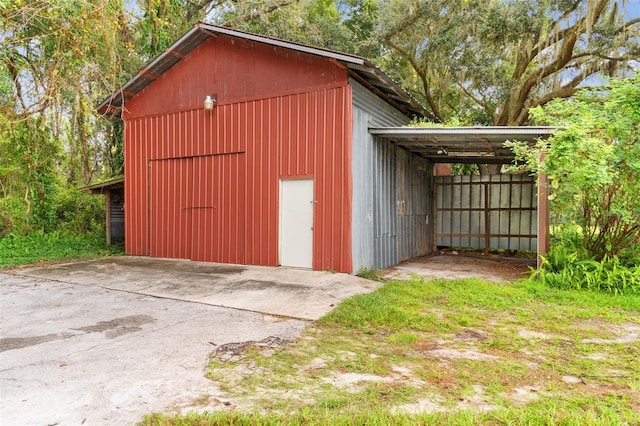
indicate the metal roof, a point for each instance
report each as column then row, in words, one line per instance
column 359, row 68
column 99, row 187
column 476, row 145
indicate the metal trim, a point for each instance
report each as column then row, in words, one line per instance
column 454, row 131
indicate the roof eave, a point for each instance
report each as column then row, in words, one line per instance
column 474, row 130
column 110, row 183
column 111, row 110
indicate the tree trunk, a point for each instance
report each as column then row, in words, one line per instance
column 489, row 169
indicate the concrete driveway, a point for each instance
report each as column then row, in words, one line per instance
column 296, row 293
column 105, row 342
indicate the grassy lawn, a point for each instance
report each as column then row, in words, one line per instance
column 440, row 352
column 56, row 246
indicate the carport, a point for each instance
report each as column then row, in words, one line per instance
column 478, row 145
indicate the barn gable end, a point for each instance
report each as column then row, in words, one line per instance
column 232, row 69
column 204, row 185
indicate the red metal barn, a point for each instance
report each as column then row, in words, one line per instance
column 282, row 170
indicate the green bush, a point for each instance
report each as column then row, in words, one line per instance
column 13, row 216
column 631, row 257
column 593, row 166
column 68, row 209
column 568, row 235
column 79, row 211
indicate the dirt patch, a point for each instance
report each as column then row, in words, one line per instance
column 236, row 350
column 625, row 333
column 500, row 269
column 461, row 354
column 525, row 394
column 351, row 380
column 423, row 406
column 528, row 334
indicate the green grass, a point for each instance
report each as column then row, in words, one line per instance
column 18, row 250
column 472, row 351
column 601, row 413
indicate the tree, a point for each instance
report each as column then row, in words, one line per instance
column 56, row 60
column 593, row 164
column 162, row 22
column 62, row 57
column 316, row 22
column 489, row 62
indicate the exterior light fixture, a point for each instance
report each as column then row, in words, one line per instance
column 209, row 102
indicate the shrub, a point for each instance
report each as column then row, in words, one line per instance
column 563, row 268
column 13, row 216
column 78, row 211
column 53, row 246
column 593, row 165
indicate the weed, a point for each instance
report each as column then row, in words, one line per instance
column 58, row 245
column 369, row 274
column 403, row 338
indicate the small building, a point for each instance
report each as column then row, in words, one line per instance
column 245, row 149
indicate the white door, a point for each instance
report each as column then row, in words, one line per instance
column 296, row 223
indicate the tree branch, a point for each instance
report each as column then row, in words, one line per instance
column 264, row 11
column 627, row 25
column 423, row 78
column 565, row 56
column 633, row 55
column 481, row 102
column 554, row 37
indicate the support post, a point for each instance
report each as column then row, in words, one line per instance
column 434, row 217
column 487, row 219
column 107, row 197
column 543, row 213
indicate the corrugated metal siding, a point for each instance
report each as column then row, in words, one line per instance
column 237, row 154
column 197, row 207
column 137, row 148
column 116, row 209
column 232, row 69
column 383, row 172
column 385, row 244
column 362, row 207
column 170, row 197
column 413, row 199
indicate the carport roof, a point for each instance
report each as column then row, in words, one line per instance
column 481, row 145
column 100, row 187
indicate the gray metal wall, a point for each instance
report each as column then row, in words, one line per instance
column 117, row 214
column 511, row 212
column 414, row 177
column 391, row 189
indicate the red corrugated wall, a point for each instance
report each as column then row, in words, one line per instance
column 205, row 185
